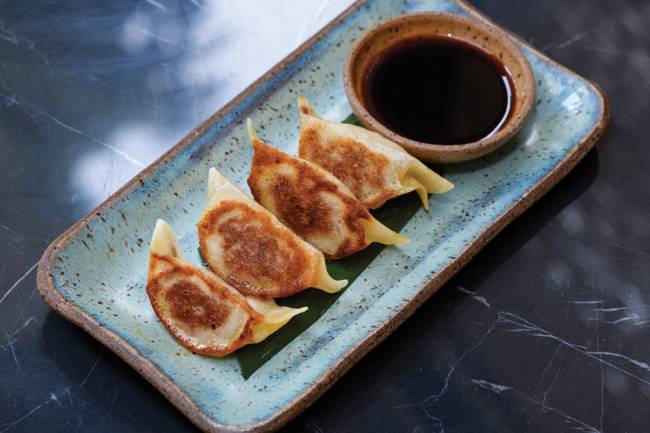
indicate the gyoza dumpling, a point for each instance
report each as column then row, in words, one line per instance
column 373, row 167
column 201, row 311
column 313, row 203
column 248, row 247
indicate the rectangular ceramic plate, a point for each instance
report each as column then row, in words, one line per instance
column 94, row 274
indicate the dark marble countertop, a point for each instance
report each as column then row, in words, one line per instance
column 546, row 330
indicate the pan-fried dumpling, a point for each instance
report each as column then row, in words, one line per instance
column 248, row 247
column 203, row 312
column 373, row 167
column 313, row 203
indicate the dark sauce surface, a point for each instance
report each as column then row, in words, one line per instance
column 438, row 90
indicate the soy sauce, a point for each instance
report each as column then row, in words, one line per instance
column 438, row 90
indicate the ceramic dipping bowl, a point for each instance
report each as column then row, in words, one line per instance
column 422, row 25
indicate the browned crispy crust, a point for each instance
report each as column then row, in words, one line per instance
column 299, row 205
column 179, row 300
column 255, row 256
column 188, row 304
column 352, row 163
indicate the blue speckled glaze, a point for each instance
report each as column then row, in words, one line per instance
column 102, row 270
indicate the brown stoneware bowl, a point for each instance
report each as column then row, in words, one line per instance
column 410, row 26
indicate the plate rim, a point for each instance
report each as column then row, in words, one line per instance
column 174, row 393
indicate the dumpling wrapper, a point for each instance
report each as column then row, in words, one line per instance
column 247, row 246
column 374, row 168
column 200, row 310
column 313, row 203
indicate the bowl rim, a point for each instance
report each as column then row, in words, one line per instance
column 447, row 153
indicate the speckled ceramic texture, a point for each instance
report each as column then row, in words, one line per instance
column 471, row 31
column 94, row 274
